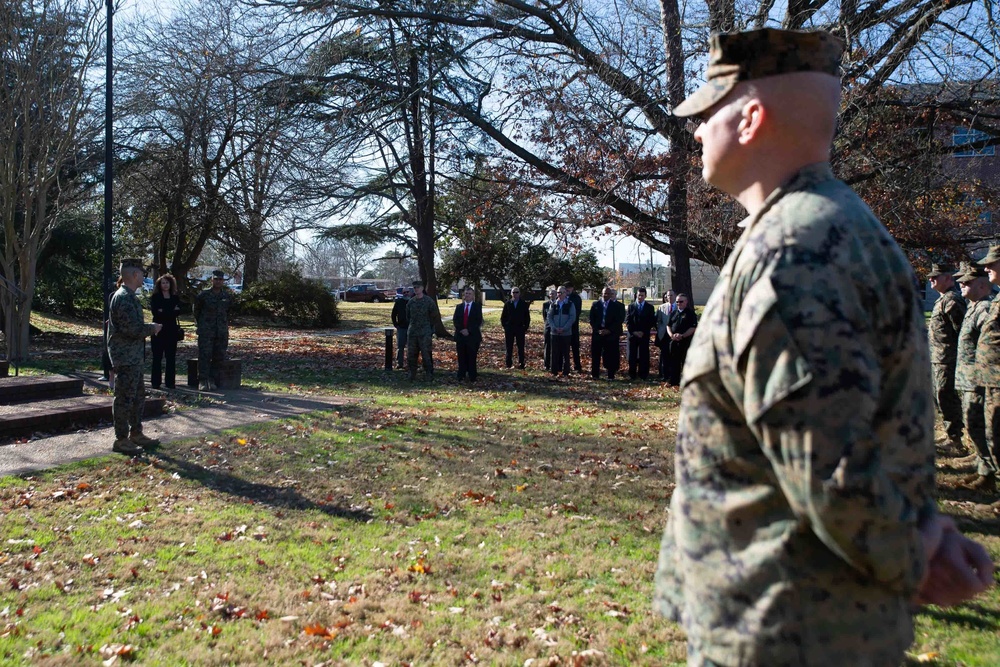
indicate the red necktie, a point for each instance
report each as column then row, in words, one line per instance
column 466, row 325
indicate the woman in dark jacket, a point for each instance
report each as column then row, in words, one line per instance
column 680, row 327
column 166, row 306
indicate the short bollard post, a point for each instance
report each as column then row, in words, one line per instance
column 389, row 332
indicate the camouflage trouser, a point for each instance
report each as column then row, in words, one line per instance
column 975, row 425
column 211, row 351
column 130, row 396
column 947, row 400
column 421, row 343
column 991, row 414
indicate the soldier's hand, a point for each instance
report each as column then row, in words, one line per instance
column 157, row 328
column 960, row 570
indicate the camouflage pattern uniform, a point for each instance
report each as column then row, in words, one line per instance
column 421, row 313
column 211, row 312
column 944, row 325
column 987, row 376
column 126, row 345
column 805, row 458
column 967, row 383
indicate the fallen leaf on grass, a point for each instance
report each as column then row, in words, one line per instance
column 320, row 630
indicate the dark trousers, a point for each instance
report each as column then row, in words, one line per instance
column 548, row 350
column 604, row 349
column 560, row 354
column 467, row 349
column 163, row 347
column 676, row 355
column 400, row 346
column 575, row 344
column 511, row 337
column 638, row 357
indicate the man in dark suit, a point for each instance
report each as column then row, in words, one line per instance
column 468, row 320
column 606, row 319
column 640, row 319
column 515, row 320
column 577, row 302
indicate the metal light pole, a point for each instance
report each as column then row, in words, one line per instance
column 108, row 175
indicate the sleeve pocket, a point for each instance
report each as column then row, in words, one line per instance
column 766, row 353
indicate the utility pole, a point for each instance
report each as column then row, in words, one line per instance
column 108, row 184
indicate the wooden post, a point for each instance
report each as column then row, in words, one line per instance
column 389, row 333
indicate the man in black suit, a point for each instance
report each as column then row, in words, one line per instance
column 468, row 320
column 606, row 319
column 577, row 302
column 640, row 319
column 515, row 320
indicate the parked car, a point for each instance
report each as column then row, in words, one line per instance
column 366, row 293
column 147, row 284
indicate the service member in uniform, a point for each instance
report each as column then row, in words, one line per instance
column 803, row 518
column 211, row 313
column 976, row 290
column 944, row 325
column 126, row 343
column 988, row 358
column 421, row 314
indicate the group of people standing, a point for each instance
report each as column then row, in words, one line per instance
column 670, row 326
column 965, row 360
column 127, row 333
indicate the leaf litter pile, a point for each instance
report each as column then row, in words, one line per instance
column 511, row 522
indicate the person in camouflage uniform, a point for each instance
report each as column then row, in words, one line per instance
column 803, row 521
column 988, row 359
column 126, row 343
column 421, row 314
column 944, row 325
column 976, row 290
column 211, row 313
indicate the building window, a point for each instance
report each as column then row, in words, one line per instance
column 962, row 136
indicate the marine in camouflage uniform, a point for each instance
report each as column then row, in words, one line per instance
column 211, row 312
column 975, row 289
column 988, row 359
column 126, row 343
column 943, row 327
column 804, row 459
column 421, row 314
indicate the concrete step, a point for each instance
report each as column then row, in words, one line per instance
column 61, row 414
column 25, row 388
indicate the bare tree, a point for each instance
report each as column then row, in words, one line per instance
column 49, row 48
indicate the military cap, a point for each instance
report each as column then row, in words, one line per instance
column 418, row 283
column 941, row 270
column 755, row 54
column 218, row 273
column 967, row 272
column 993, row 255
column 131, row 264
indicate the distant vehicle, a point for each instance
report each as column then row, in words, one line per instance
column 454, row 294
column 147, row 284
column 238, row 288
column 367, row 293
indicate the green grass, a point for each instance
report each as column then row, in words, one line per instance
column 429, row 524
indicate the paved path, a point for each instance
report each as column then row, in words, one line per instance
column 235, row 407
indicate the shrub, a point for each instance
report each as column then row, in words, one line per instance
column 290, row 299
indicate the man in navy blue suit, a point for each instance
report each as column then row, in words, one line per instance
column 468, row 320
column 515, row 320
column 640, row 319
column 606, row 319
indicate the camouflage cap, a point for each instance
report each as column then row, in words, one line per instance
column 967, row 272
column 418, row 283
column 993, row 255
column 941, row 270
column 755, row 54
column 131, row 264
column 219, row 273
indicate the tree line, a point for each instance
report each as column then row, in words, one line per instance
column 481, row 139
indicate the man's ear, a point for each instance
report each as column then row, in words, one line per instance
column 752, row 118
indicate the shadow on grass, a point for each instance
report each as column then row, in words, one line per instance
column 971, row 616
column 265, row 494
